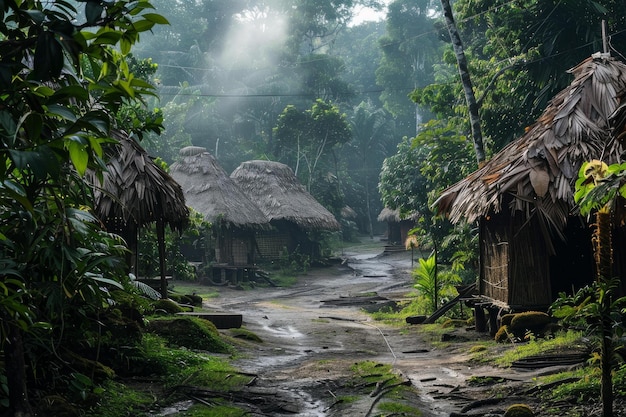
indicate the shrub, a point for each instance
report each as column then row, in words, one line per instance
column 534, row 321
column 190, row 332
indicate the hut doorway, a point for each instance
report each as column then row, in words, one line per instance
column 572, row 266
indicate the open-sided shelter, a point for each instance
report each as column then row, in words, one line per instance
column 136, row 192
column 290, row 208
column 533, row 242
column 210, row 191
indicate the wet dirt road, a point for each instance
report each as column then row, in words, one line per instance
column 315, row 330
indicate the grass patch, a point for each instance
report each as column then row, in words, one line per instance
column 199, row 410
column 373, row 371
column 561, row 341
column 191, row 287
column 119, row 400
column 245, row 334
column 182, row 366
column 394, row 408
column 284, row 280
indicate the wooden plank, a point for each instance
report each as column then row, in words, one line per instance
column 220, row 320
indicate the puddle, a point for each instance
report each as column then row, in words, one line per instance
column 289, row 331
column 173, row 409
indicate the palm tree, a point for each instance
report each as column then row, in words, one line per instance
column 470, row 98
column 370, row 133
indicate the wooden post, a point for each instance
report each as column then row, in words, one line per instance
column 160, row 227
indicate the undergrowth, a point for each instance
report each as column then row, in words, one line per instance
column 536, row 346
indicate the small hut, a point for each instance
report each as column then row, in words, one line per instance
column 136, row 192
column 288, row 206
column 533, row 242
column 397, row 227
column 211, row 192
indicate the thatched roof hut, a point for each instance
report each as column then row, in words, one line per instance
column 280, row 196
column 532, row 242
column 290, row 208
column 210, row 191
column 136, row 192
column 398, row 227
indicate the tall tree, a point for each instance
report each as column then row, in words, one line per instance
column 410, row 48
column 466, row 80
column 307, row 139
column 371, row 128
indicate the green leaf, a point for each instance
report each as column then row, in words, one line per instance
column 37, row 16
column 70, row 92
column 48, row 61
column 79, row 154
column 125, row 45
column 107, row 37
column 61, row 111
column 143, row 25
column 33, row 125
column 93, row 11
column 156, row 18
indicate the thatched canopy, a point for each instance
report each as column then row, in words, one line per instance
column 210, row 191
column 136, row 191
column 535, row 174
column 393, row 216
column 277, row 192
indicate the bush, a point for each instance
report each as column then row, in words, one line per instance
column 190, row 332
column 534, row 321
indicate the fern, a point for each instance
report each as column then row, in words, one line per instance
column 144, row 288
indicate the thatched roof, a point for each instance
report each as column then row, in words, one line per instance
column 536, row 173
column 135, row 191
column 277, row 192
column 393, row 216
column 210, row 191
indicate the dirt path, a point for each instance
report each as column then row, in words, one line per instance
column 314, row 331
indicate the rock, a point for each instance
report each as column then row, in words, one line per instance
column 519, row 410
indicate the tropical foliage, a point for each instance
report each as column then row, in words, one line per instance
column 64, row 76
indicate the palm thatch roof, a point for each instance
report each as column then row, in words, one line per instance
column 210, row 191
column 536, row 173
column 135, row 191
column 393, row 216
column 279, row 195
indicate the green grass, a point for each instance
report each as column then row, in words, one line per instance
column 118, row 400
column 395, row 408
column 191, row 287
column 561, row 341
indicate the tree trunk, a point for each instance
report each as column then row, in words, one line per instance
column 472, row 105
column 15, row 363
column 604, row 263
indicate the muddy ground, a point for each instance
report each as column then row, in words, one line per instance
column 313, row 331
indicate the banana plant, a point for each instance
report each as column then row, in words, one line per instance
column 598, row 187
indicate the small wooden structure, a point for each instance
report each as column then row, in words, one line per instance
column 289, row 207
column 533, row 242
column 235, row 218
column 136, row 192
column 398, row 228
